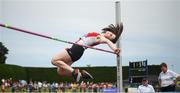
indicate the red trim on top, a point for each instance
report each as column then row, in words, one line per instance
column 92, row 34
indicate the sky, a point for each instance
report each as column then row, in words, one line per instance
column 151, row 30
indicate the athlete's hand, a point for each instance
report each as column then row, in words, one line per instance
column 117, row 50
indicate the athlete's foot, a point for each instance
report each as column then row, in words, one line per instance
column 86, row 75
column 77, row 75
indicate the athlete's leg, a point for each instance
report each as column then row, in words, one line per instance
column 63, row 62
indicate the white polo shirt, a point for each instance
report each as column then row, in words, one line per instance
column 145, row 89
column 167, row 78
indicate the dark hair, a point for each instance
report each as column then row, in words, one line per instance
column 117, row 30
column 145, row 79
column 163, row 65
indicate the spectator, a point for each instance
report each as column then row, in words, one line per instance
column 53, row 89
column 39, row 86
column 22, row 85
column 14, row 86
column 95, row 87
column 3, row 86
column 101, row 87
column 49, row 87
column 44, row 86
column 83, row 87
column 74, row 87
column 62, row 87
column 90, row 89
column 167, row 79
column 109, row 85
column 35, row 86
column 145, row 87
column 56, row 87
column 30, row 86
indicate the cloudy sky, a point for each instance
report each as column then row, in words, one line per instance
column 151, row 30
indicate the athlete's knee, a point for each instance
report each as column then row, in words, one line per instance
column 55, row 61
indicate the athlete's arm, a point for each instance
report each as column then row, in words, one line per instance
column 109, row 43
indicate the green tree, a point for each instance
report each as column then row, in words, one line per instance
column 3, row 53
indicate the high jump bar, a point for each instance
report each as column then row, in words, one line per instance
column 52, row 38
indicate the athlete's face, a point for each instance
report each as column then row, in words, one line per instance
column 110, row 35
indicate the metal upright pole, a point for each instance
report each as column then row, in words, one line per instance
column 119, row 59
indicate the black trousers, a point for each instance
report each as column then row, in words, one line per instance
column 169, row 88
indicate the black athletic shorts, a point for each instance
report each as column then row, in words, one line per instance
column 170, row 88
column 75, row 52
